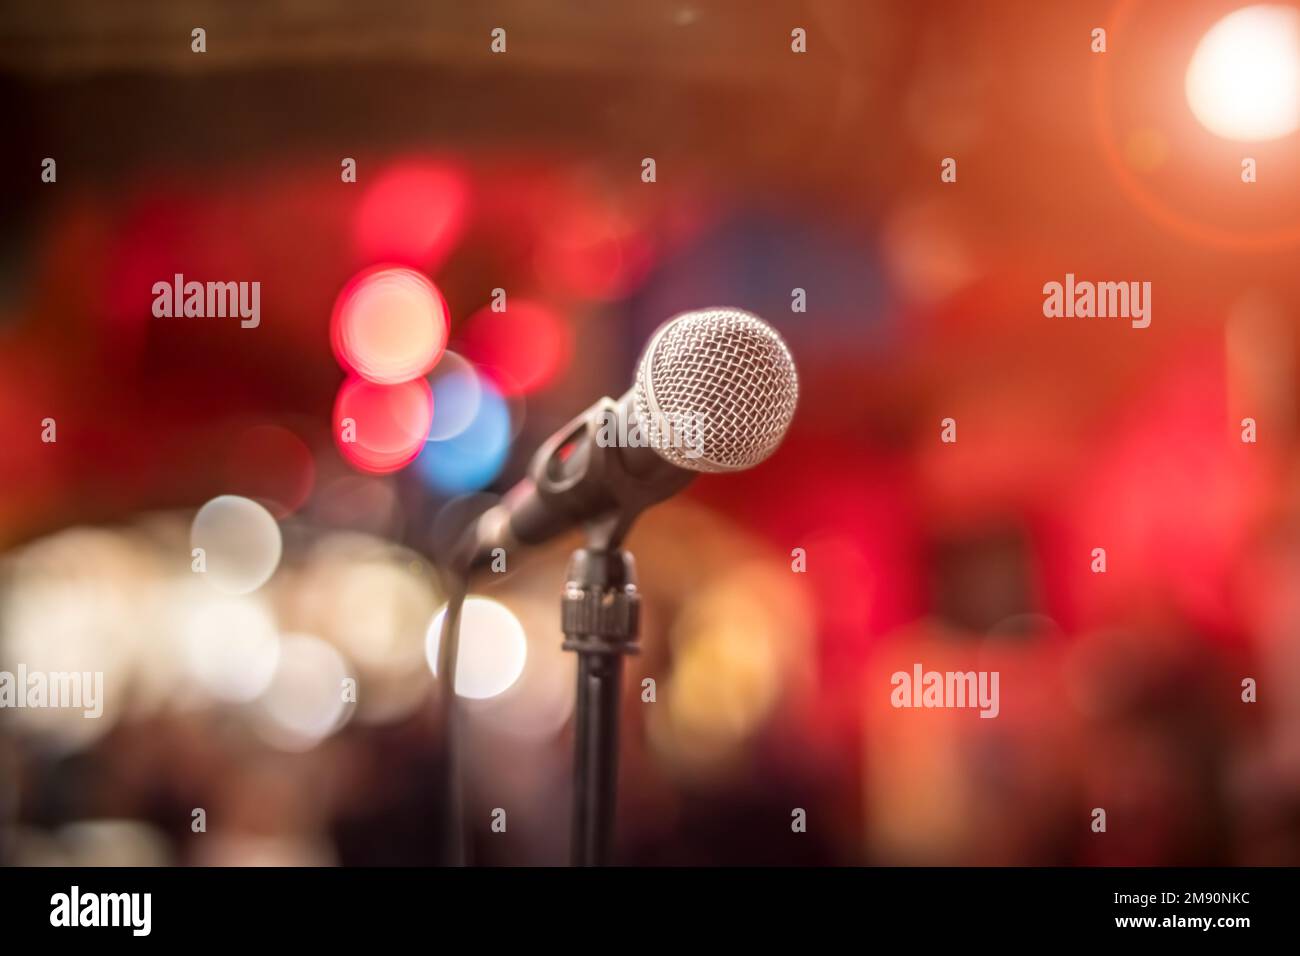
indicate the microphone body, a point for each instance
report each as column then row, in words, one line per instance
column 581, row 475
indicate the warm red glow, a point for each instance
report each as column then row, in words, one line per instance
column 270, row 465
column 521, row 349
column 592, row 252
column 1170, row 500
column 381, row 428
column 1185, row 225
column 414, row 213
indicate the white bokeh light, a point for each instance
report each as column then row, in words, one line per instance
column 304, row 702
column 241, row 543
column 230, row 645
column 1243, row 82
column 493, row 648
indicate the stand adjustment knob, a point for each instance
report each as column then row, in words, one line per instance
column 601, row 620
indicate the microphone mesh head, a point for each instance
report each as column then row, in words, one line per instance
column 715, row 390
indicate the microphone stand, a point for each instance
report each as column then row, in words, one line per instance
column 600, row 611
column 575, row 473
column 599, row 615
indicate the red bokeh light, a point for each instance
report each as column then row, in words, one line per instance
column 381, row 428
column 414, row 214
column 272, row 465
column 1171, row 497
column 593, row 251
column 520, row 349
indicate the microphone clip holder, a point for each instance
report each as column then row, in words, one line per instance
column 583, row 470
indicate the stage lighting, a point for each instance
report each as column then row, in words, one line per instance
column 1243, row 82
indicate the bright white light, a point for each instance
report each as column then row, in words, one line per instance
column 304, row 702
column 231, row 646
column 1244, row 79
column 492, row 648
column 241, row 543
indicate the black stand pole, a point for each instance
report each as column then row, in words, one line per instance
column 576, row 472
column 599, row 615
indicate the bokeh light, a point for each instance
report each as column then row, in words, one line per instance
column 539, row 704
column 528, row 344
column 78, row 602
column 474, row 457
column 492, row 650
column 240, row 541
column 737, row 646
column 414, row 214
column 456, row 396
column 1168, row 498
column 111, row 843
column 1243, row 82
column 380, row 428
column 304, row 702
column 273, row 466
column 230, row 645
column 360, row 503
column 389, row 325
column 373, row 601
column 592, row 248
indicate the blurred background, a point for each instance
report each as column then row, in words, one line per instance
column 775, row 171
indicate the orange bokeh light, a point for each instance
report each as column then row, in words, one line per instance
column 389, row 325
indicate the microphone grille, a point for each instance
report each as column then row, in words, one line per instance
column 715, row 390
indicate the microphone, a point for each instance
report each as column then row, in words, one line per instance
column 715, row 391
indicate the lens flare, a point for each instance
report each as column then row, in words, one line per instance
column 389, row 326
column 381, row 428
column 1243, row 82
column 492, row 648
